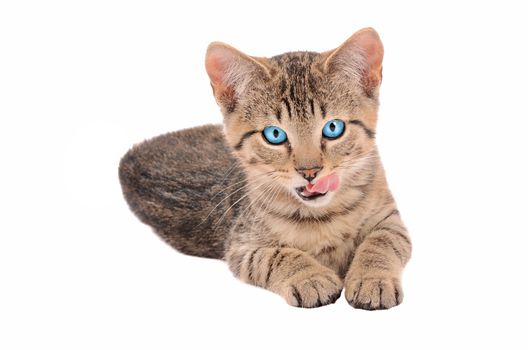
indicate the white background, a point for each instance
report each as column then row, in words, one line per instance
column 81, row 81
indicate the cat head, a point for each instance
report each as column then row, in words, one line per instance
column 302, row 120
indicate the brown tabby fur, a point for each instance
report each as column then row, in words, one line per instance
column 229, row 194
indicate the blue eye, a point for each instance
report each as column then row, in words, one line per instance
column 333, row 129
column 274, row 135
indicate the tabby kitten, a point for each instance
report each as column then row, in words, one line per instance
column 291, row 193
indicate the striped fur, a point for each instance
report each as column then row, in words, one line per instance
column 227, row 193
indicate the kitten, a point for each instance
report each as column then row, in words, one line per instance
column 291, row 193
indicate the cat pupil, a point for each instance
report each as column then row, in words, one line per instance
column 276, row 133
column 332, row 127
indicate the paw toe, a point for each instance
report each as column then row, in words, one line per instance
column 373, row 294
column 319, row 290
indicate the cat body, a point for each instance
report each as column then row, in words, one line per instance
column 290, row 192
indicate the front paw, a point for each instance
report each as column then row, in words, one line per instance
column 317, row 290
column 373, row 293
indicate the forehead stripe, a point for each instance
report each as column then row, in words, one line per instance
column 323, row 110
column 288, row 107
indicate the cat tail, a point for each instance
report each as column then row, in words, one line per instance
column 177, row 184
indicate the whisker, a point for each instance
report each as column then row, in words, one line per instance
column 261, row 195
column 270, row 191
column 277, row 191
column 229, row 171
column 360, row 155
column 245, row 179
column 232, row 205
column 360, row 161
column 249, row 183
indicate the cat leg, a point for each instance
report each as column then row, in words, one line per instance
column 373, row 281
column 289, row 272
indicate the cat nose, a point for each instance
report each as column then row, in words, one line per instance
column 309, row 173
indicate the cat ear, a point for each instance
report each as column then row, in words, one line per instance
column 359, row 58
column 231, row 72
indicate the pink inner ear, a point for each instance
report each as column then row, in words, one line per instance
column 371, row 45
column 366, row 43
column 215, row 64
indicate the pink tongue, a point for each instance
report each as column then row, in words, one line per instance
column 325, row 184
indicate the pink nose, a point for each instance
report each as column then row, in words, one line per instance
column 309, row 174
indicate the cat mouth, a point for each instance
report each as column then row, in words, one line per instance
column 307, row 195
column 320, row 188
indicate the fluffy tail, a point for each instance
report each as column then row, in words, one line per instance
column 179, row 184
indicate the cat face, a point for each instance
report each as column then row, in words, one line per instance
column 301, row 121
